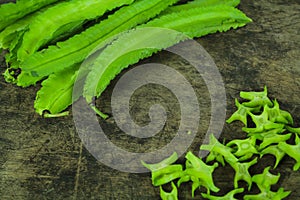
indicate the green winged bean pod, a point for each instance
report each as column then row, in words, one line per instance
column 10, row 12
column 70, row 13
column 76, row 49
column 190, row 23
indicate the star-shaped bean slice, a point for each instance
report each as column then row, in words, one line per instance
column 228, row 196
column 275, row 151
column 292, row 150
column 268, row 195
column 278, row 115
column 244, row 148
column 173, row 195
column 265, row 180
column 218, row 149
column 256, row 98
column 242, row 173
column 241, row 113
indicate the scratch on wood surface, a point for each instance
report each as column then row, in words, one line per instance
column 78, row 171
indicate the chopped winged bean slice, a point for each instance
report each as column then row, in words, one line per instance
column 262, row 123
column 228, row 196
column 293, row 130
column 265, row 180
column 215, row 156
column 275, row 151
column 169, row 195
column 242, row 173
column 273, row 139
column 268, row 195
column 219, row 149
column 277, row 115
column 241, row 113
column 245, row 147
column 202, row 178
column 166, row 174
column 168, row 161
column 200, row 173
column 260, row 136
column 293, row 151
column 184, row 178
column 256, row 98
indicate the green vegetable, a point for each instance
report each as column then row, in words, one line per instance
column 241, row 172
column 292, row 150
column 169, row 196
column 199, row 4
column 200, row 173
column 242, row 113
column 293, row 130
column 275, row 151
column 265, row 180
column 272, row 141
column 277, row 115
column 268, row 195
column 10, row 12
column 120, row 54
column 262, row 123
column 256, row 98
column 228, row 196
column 71, row 12
column 164, row 172
column 245, row 148
column 162, row 164
column 31, row 60
column 218, row 151
column 56, row 93
column 9, row 34
column 76, row 49
column 270, row 137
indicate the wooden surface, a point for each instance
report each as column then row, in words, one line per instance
column 45, row 159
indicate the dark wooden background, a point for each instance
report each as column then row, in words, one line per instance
column 45, row 159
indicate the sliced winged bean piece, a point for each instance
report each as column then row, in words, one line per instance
column 293, row 151
column 228, row 196
column 202, row 179
column 242, row 173
column 244, row 147
column 215, row 156
column 275, row 151
column 265, row 180
column 293, row 130
column 260, row 135
column 256, row 98
column 198, row 169
column 241, row 113
column 273, row 139
column 173, row 195
column 166, row 174
column 262, row 123
column 268, row 195
column 168, row 161
column 277, row 115
column 219, row 149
